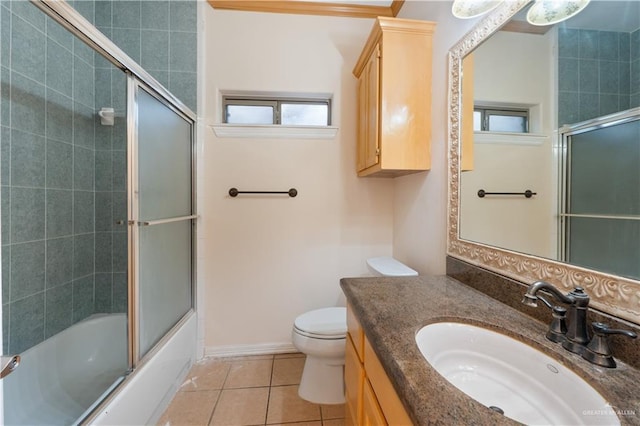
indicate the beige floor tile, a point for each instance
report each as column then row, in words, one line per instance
column 249, row 374
column 238, row 407
column 298, row 424
column 190, row 408
column 333, row 411
column 287, row 371
column 208, row 374
column 286, row 406
column 248, row 358
column 333, row 422
column 290, row 355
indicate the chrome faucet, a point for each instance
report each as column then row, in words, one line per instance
column 577, row 336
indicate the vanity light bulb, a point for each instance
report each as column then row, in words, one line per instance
column 549, row 12
column 465, row 9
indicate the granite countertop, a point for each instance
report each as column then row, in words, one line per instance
column 392, row 310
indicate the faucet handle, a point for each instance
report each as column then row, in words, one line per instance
column 558, row 327
column 598, row 350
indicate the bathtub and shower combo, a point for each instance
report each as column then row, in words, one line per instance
column 98, row 224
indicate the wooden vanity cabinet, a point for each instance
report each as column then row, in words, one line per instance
column 372, row 414
column 354, row 370
column 394, row 98
column 370, row 396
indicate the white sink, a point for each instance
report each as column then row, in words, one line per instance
column 502, row 372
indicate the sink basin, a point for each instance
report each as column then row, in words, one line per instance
column 512, row 377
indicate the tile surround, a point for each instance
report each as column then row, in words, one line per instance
column 48, row 176
column 598, row 73
column 160, row 35
column 63, row 174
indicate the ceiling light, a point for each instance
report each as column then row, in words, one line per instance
column 549, row 12
column 465, row 9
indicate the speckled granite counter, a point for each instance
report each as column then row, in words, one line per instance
column 392, row 310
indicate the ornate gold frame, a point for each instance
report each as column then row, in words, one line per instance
column 609, row 293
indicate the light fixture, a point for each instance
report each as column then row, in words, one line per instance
column 465, row 9
column 549, row 12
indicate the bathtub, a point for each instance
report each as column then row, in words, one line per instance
column 59, row 379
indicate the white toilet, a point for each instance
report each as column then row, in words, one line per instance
column 386, row 266
column 321, row 335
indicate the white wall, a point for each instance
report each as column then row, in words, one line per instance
column 420, row 200
column 513, row 69
column 265, row 260
column 517, row 68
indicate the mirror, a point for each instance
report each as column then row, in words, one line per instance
column 574, row 89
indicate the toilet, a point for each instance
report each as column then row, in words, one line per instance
column 321, row 335
column 386, row 266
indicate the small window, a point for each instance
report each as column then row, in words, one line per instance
column 285, row 111
column 500, row 120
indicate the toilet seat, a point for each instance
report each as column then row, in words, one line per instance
column 326, row 324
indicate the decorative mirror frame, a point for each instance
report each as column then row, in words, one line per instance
column 615, row 295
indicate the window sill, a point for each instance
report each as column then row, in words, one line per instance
column 274, row 131
column 509, row 138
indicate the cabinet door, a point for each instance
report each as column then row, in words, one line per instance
column 362, row 121
column 353, row 380
column 355, row 332
column 386, row 395
column 371, row 411
column 372, row 72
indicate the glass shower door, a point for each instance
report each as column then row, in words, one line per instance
column 602, row 206
column 164, row 217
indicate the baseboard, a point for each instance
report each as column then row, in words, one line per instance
column 245, row 350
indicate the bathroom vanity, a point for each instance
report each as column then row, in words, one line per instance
column 370, row 396
column 384, row 315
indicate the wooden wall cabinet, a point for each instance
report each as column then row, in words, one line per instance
column 394, row 98
column 370, row 397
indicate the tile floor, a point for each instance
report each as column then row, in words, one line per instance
column 243, row 391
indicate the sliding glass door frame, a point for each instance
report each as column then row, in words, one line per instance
column 566, row 133
column 69, row 18
column 137, row 77
column 134, row 86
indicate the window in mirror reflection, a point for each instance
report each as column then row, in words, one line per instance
column 500, row 120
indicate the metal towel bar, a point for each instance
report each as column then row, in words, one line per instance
column 162, row 221
column 528, row 193
column 233, row 192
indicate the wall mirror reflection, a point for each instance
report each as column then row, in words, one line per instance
column 577, row 147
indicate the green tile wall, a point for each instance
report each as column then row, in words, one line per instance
column 47, row 182
column 160, row 35
column 63, row 174
column 598, row 73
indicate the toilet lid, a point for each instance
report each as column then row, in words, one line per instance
column 323, row 322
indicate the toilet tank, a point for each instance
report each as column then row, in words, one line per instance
column 386, row 266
